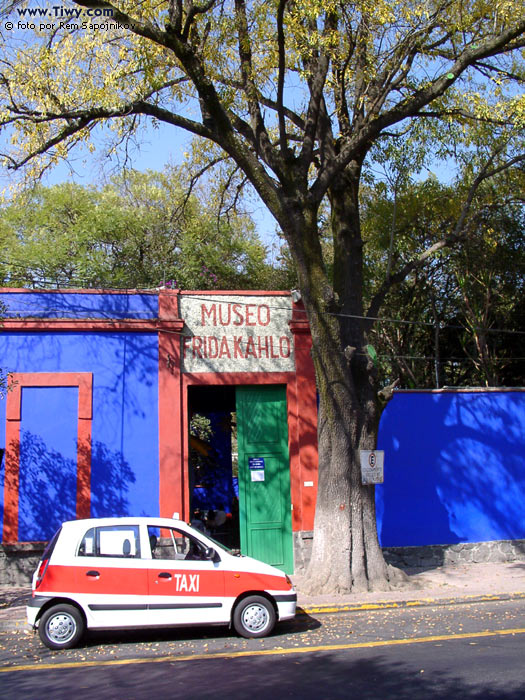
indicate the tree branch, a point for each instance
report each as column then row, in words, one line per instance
column 316, row 84
column 265, row 101
column 192, row 12
column 262, row 139
column 280, row 76
column 411, row 106
column 217, row 123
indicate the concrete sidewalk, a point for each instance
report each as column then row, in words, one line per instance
column 444, row 585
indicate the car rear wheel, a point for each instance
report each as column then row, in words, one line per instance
column 254, row 617
column 61, row 627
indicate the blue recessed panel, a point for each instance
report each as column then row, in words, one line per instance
column 48, row 460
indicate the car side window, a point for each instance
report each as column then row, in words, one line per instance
column 171, row 543
column 111, row 541
column 87, row 546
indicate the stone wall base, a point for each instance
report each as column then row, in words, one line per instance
column 19, row 561
column 428, row 555
column 302, row 549
column 466, row 552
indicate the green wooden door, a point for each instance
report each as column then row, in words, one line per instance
column 264, row 475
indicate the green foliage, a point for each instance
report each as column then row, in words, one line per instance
column 471, row 294
column 141, row 230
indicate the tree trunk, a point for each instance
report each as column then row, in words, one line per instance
column 346, row 554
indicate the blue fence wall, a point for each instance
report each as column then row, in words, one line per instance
column 454, row 468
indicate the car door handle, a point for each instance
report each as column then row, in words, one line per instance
column 92, row 573
column 164, row 574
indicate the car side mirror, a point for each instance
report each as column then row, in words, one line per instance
column 209, row 553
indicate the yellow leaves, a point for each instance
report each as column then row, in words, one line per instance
column 515, row 110
column 505, row 10
column 491, row 237
column 494, row 105
column 71, row 70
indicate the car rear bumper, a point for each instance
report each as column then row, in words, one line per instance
column 34, row 606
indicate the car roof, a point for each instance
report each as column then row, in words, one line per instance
column 123, row 520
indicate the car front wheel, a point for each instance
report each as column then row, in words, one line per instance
column 61, row 627
column 254, row 617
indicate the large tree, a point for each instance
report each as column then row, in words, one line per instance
column 296, row 93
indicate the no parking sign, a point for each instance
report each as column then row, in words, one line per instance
column 372, row 462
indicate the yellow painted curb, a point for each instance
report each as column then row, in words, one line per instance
column 385, row 605
column 279, row 651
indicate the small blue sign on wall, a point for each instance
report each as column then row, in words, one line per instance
column 256, row 462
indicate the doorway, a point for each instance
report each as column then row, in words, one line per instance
column 239, row 469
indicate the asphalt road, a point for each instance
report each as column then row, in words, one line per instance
column 469, row 651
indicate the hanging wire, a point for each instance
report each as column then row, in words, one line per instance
column 376, row 319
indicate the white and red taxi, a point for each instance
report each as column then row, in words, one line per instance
column 150, row 572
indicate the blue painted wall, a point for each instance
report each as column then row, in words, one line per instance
column 75, row 305
column 454, row 468
column 125, row 470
